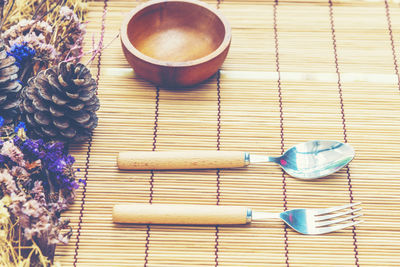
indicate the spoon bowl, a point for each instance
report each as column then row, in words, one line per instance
column 315, row 159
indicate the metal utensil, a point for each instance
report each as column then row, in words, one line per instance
column 309, row 160
column 305, row 221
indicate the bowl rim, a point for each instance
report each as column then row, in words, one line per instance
column 132, row 49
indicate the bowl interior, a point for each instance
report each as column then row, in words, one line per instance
column 176, row 31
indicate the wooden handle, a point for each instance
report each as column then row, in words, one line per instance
column 175, row 160
column 180, row 214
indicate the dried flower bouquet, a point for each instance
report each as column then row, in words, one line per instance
column 37, row 183
column 46, row 94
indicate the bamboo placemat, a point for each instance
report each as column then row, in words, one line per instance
column 296, row 71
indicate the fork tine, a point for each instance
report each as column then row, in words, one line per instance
column 325, row 223
column 332, row 209
column 333, row 215
column 325, row 230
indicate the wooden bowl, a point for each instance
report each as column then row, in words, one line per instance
column 175, row 43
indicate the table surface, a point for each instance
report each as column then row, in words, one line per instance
column 296, row 71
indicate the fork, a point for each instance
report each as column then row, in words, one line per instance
column 305, row 221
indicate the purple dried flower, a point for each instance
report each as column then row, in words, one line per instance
column 76, row 185
column 31, row 149
column 17, row 141
column 57, row 166
column 70, row 160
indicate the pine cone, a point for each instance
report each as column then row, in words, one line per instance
column 9, row 86
column 60, row 103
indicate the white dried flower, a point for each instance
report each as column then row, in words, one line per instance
column 68, row 14
column 8, row 181
column 32, row 208
column 25, row 27
column 29, row 233
column 13, row 152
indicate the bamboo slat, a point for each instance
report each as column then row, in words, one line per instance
column 296, row 71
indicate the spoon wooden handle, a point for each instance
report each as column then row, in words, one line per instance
column 180, row 159
column 180, row 214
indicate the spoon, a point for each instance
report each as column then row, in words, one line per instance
column 309, row 160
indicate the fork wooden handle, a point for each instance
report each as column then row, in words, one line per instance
column 180, row 159
column 184, row 214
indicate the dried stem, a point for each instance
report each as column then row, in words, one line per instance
column 46, row 13
column 3, row 18
column 59, row 3
column 8, row 13
column 62, row 39
column 38, row 9
column 100, row 49
column 2, row 4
